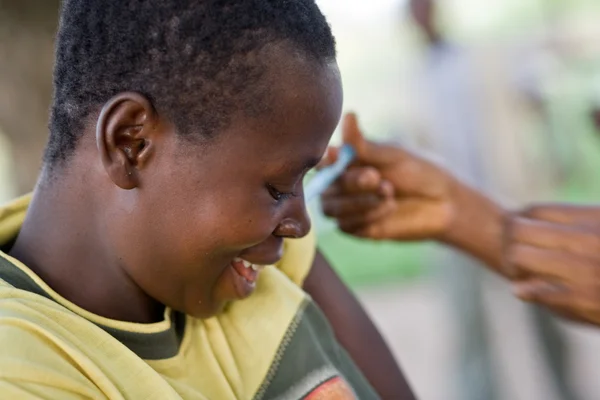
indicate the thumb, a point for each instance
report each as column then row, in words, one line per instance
column 351, row 133
column 366, row 151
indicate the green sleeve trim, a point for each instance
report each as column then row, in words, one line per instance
column 308, row 357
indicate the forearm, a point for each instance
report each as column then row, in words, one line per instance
column 478, row 228
column 355, row 331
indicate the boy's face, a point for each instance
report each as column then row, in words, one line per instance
column 199, row 209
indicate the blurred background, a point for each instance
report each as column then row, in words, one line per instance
column 506, row 93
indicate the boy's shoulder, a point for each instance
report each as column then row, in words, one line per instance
column 36, row 355
column 48, row 351
column 49, row 346
column 12, row 215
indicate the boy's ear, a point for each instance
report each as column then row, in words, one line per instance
column 124, row 137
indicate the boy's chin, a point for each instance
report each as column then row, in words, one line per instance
column 205, row 311
column 229, row 287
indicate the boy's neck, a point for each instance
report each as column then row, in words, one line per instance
column 63, row 242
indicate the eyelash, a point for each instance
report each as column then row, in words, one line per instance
column 278, row 195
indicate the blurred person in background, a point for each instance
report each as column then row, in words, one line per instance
column 477, row 115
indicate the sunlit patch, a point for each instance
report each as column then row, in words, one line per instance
column 333, row 389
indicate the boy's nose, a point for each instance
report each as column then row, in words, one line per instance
column 296, row 224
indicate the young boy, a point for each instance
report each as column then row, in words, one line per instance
column 172, row 185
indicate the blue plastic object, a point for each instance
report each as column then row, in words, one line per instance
column 329, row 174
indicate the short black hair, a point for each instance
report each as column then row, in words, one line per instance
column 194, row 59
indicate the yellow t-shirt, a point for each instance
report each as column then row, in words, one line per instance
column 274, row 345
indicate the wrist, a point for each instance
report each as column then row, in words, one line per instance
column 477, row 226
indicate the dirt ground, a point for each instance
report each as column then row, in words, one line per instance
column 416, row 323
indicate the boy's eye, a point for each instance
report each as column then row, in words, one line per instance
column 279, row 195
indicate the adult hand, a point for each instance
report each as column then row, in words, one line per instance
column 555, row 251
column 551, row 252
column 390, row 193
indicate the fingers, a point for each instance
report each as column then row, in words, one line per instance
column 354, row 223
column 358, row 197
column 534, row 288
column 341, row 206
column 563, row 213
column 569, row 238
column 554, row 264
column 410, row 174
column 558, row 248
column 418, row 220
column 567, row 253
column 386, row 189
column 351, row 133
column 360, row 180
column 556, row 297
column 368, row 152
column 581, row 304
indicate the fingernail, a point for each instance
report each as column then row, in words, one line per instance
column 521, row 292
column 364, row 179
column 386, row 189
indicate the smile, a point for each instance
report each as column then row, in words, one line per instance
column 248, row 264
column 245, row 276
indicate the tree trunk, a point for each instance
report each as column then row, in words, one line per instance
column 27, row 29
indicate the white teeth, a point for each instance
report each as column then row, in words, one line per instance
column 248, row 264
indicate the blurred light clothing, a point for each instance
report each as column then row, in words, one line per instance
column 478, row 113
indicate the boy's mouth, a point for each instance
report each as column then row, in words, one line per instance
column 245, row 276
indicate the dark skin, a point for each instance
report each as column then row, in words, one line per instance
column 549, row 252
column 354, row 329
column 139, row 218
column 151, row 219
